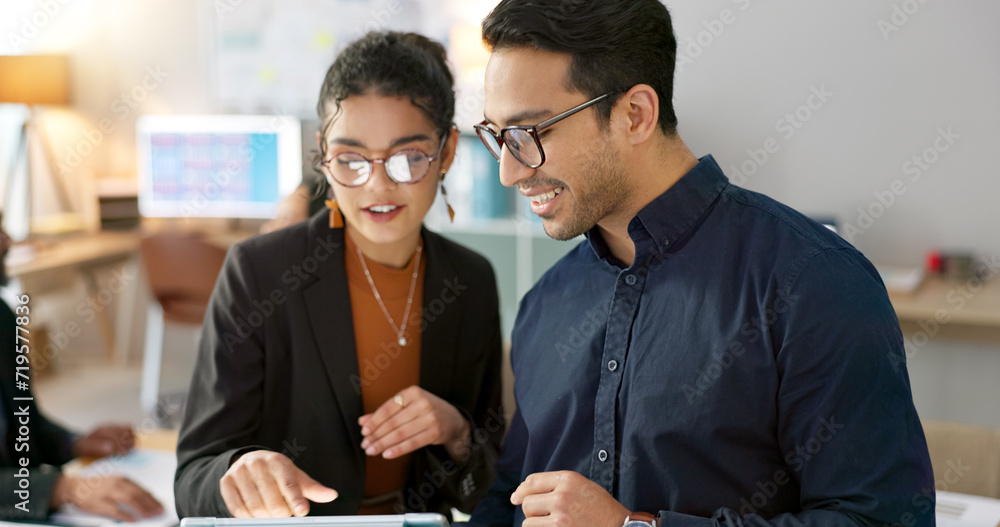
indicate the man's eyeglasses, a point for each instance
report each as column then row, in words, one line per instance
column 523, row 141
column 407, row 166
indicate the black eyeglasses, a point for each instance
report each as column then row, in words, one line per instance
column 523, row 141
column 407, row 166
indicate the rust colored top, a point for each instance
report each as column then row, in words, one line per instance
column 385, row 367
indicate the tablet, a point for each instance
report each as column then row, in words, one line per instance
column 400, row 520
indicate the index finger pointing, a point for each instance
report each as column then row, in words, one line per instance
column 286, row 477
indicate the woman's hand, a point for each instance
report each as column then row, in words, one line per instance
column 265, row 484
column 411, row 420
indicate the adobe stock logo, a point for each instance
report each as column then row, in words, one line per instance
column 916, row 167
column 796, row 459
column 31, row 25
column 900, row 16
column 787, row 126
column 122, row 107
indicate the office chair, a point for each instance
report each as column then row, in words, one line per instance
column 181, row 269
column 966, row 458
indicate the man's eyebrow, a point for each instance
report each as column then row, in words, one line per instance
column 524, row 116
column 395, row 142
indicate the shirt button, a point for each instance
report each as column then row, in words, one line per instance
column 630, row 279
column 665, row 241
column 602, row 455
column 612, row 365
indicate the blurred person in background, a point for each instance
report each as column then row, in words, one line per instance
column 47, row 446
column 307, row 199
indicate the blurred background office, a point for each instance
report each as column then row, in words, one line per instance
column 878, row 118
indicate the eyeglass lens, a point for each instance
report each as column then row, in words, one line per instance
column 520, row 143
column 405, row 166
column 490, row 141
column 523, row 146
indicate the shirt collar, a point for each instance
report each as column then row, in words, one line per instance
column 672, row 214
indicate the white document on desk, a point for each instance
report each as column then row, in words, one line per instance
column 152, row 469
column 963, row 510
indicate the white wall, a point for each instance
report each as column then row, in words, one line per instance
column 940, row 70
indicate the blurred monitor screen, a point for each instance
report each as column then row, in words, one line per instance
column 216, row 166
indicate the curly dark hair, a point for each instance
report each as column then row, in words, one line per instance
column 615, row 45
column 393, row 64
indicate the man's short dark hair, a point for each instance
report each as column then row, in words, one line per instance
column 615, row 45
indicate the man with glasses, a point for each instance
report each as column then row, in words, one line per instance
column 707, row 356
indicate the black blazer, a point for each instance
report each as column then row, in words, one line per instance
column 49, row 445
column 277, row 369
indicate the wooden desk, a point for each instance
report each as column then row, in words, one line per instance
column 158, row 439
column 86, row 253
column 94, row 250
column 76, row 251
column 966, row 310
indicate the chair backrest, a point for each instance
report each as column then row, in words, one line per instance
column 966, row 458
column 182, row 269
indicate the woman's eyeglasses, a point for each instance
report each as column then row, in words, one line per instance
column 523, row 141
column 407, row 166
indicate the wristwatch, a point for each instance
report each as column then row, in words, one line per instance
column 641, row 519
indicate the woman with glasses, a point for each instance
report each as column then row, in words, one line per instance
column 351, row 363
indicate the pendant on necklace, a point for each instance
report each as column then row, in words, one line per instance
column 402, row 341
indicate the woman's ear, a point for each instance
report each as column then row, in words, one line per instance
column 319, row 140
column 450, row 147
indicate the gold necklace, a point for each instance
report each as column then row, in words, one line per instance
column 378, row 298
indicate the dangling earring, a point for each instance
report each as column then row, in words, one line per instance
column 444, row 194
column 336, row 218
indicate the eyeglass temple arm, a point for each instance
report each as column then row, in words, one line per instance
column 444, row 139
column 549, row 122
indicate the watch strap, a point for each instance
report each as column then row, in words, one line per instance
column 641, row 517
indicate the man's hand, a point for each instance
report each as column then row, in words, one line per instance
column 263, row 484
column 422, row 419
column 105, row 441
column 112, row 496
column 566, row 499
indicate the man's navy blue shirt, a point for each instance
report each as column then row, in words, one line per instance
column 746, row 369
